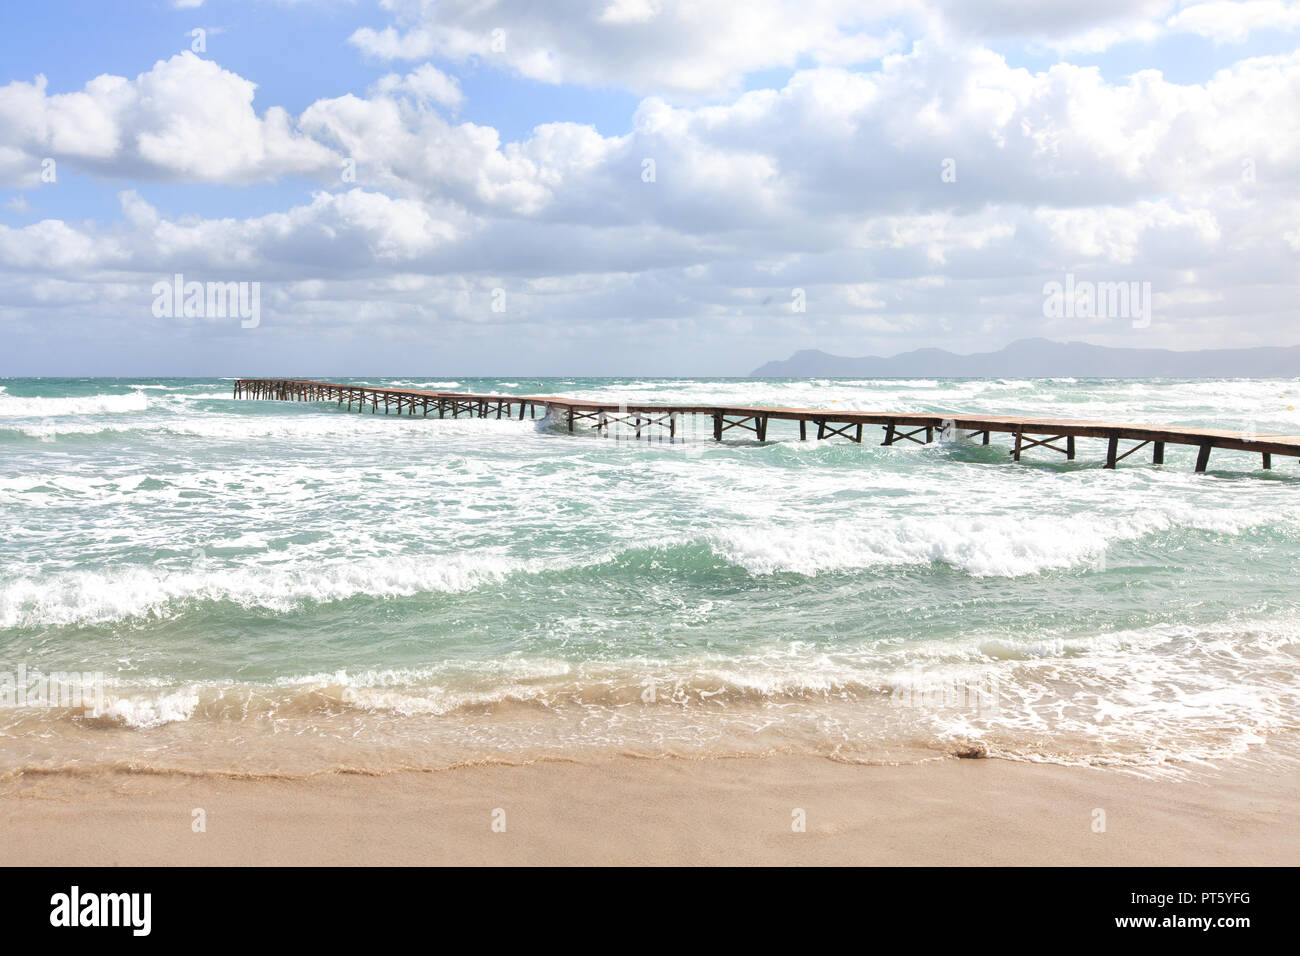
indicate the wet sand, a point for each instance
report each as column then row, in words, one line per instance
column 635, row 811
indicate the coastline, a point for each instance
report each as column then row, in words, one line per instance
column 636, row 811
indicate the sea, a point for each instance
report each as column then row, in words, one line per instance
column 194, row 584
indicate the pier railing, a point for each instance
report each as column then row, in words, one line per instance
column 1053, row 434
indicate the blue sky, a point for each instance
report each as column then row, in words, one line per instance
column 501, row 207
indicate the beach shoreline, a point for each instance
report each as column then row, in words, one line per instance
column 636, row 811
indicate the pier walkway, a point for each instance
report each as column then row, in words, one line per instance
column 651, row 421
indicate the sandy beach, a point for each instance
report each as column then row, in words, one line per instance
column 627, row 811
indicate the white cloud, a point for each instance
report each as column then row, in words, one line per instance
column 679, row 46
column 833, row 182
column 1233, row 22
column 427, row 83
column 184, row 119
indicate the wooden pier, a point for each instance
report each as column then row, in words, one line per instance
column 662, row 421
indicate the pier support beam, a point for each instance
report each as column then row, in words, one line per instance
column 1112, row 445
column 826, row 430
column 721, row 423
column 1203, row 456
column 1023, row 444
column 1158, row 453
column 893, row 434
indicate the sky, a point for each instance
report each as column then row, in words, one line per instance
column 637, row 187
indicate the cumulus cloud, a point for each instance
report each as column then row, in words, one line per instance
column 186, row 119
column 1234, row 22
column 644, row 45
column 688, row 48
column 929, row 193
column 426, row 84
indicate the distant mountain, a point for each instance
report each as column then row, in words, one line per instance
column 1042, row 358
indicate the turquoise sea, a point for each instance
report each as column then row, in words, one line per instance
column 287, row 588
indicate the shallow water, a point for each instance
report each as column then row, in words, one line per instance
column 286, row 588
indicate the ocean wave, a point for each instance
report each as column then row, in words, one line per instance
column 1009, row 546
column 235, row 427
column 143, row 711
column 282, row 582
column 15, row 406
column 1147, row 698
column 67, row 598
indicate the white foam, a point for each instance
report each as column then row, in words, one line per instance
column 14, row 406
column 304, row 427
column 982, row 547
column 151, row 711
column 66, row 598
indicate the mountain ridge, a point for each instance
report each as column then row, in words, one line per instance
column 1044, row 358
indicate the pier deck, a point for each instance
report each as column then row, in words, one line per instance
column 1054, row 434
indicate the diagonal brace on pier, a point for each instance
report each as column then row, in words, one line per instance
column 1022, row 445
column 893, row 434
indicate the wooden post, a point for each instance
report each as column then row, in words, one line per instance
column 570, row 419
column 858, row 437
column 1015, row 454
column 1203, row 456
column 760, row 427
column 717, row 426
column 803, row 429
column 889, row 434
column 1268, row 461
column 1158, row 453
column 929, row 434
column 1069, row 448
column 672, row 425
column 1112, row 450
column 821, row 428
